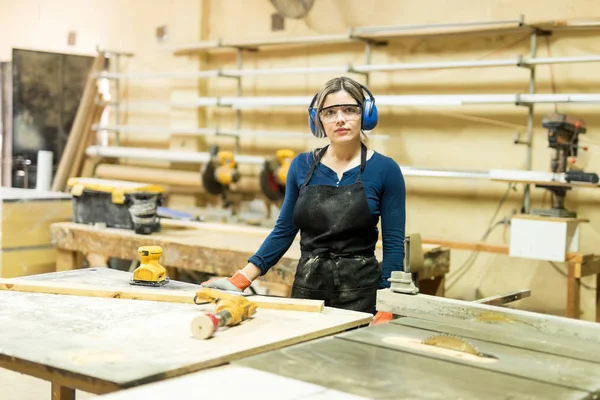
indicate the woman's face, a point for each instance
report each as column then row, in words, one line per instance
column 340, row 116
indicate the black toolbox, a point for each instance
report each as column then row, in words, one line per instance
column 116, row 204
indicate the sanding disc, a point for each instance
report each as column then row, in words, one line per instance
column 204, row 326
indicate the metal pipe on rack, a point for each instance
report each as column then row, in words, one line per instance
column 379, row 29
column 156, row 129
column 213, row 131
column 257, row 102
column 435, row 65
column 158, row 75
column 197, row 157
column 163, row 155
column 364, row 68
column 284, row 71
column 443, row 173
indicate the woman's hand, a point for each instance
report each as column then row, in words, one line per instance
column 239, row 282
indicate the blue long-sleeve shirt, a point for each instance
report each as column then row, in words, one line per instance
column 386, row 195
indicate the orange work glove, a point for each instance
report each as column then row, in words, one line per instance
column 237, row 283
column 381, row 318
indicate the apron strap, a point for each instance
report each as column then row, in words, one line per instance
column 363, row 164
column 313, row 166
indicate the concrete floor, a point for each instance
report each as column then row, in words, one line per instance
column 15, row 386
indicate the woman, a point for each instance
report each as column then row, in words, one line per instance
column 335, row 196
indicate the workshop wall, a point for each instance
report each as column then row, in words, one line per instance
column 468, row 137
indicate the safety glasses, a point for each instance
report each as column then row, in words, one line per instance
column 350, row 112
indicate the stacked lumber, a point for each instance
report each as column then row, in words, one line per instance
column 81, row 135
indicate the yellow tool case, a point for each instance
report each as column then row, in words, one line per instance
column 116, row 204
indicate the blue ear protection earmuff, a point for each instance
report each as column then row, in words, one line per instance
column 368, row 120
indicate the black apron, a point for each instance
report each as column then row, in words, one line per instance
column 338, row 237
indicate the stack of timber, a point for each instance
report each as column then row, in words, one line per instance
column 81, row 135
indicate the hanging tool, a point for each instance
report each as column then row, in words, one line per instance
column 231, row 310
column 219, row 173
column 150, row 272
column 274, row 173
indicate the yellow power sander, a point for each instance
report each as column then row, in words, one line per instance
column 274, row 174
column 150, row 272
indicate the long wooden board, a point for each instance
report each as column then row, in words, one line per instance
column 117, row 287
column 101, row 345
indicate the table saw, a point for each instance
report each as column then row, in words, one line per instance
column 441, row 348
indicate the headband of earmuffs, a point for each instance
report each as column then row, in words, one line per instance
column 368, row 119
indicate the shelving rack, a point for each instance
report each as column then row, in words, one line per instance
column 373, row 37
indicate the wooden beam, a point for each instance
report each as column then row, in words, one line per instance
column 151, row 294
column 474, row 246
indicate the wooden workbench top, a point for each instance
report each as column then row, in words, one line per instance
column 215, row 249
column 103, row 344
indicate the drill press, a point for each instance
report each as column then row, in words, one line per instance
column 563, row 137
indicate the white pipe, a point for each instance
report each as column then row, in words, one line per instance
column 163, row 155
column 356, row 68
column 435, row 65
column 561, row 60
column 158, row 75
column 284, row 71
column 250, row 102
column 156, row 129
column 196, row 157
column 443, row 173
column 402, row 28
column 320, row 39
column 213, row 131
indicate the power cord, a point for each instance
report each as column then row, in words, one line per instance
column 563, row 273
column 470, row 261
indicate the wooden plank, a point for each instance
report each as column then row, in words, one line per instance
column 573, row 291
column 551, row 219
column 493, row 248
column 473, row 246
column 123, row 290
column 249, row 383
column 381, row 373
column 99, row 343
column 27, row 261
column 61, row 392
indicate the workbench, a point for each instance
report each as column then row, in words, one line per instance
column 579, row 265
column 104, row 344
column 215, row 249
